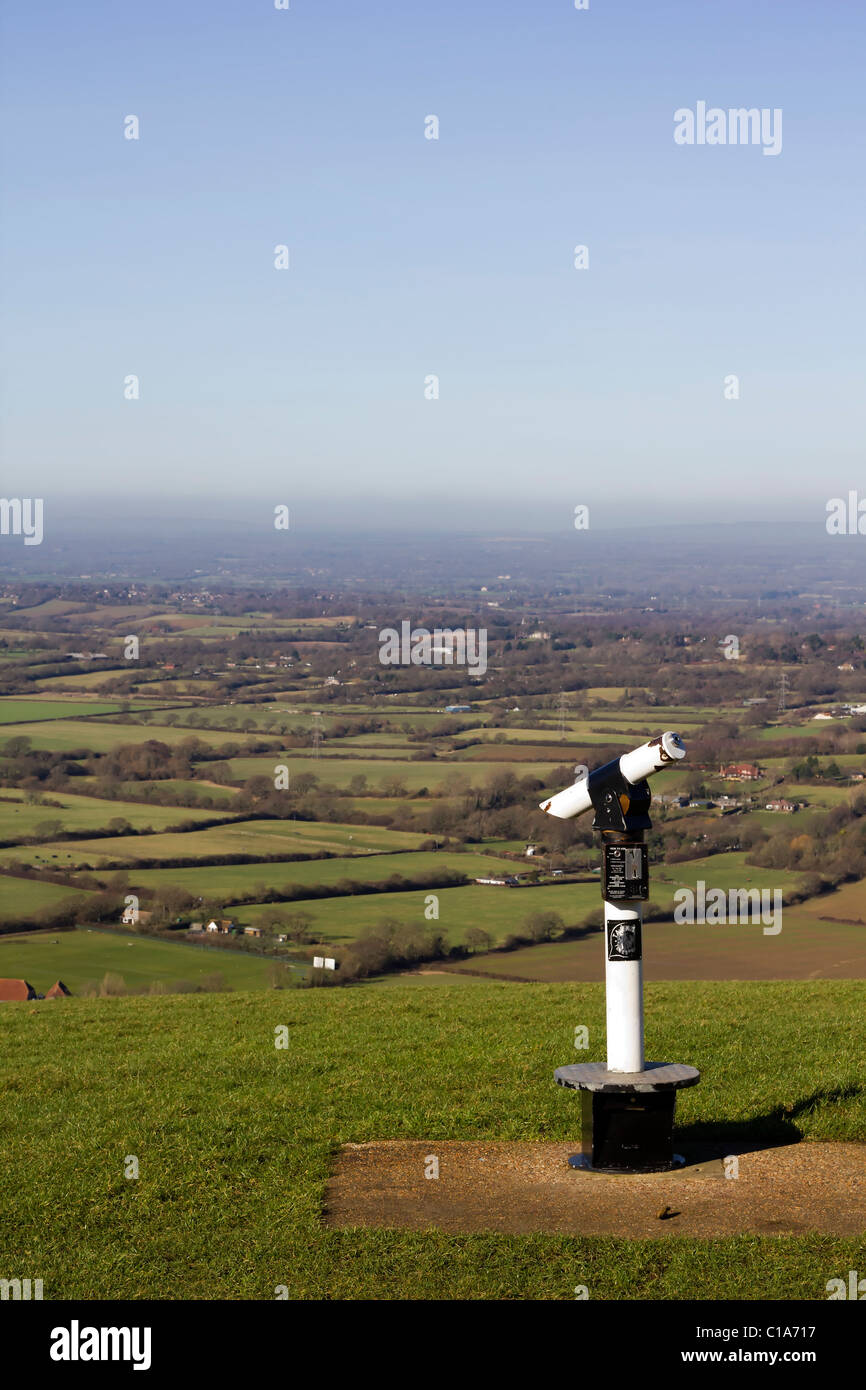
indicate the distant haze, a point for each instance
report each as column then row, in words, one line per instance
column 411, row 258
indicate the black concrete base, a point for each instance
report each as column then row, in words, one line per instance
column 627, row 1118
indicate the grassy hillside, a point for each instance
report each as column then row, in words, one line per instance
column 99, row 736
column 264, row 838
column 234, row 1137
column 497, row 910
column 19, row 818
column 226, row 880
column 19, row 897
column 80, row 957
column 20, row 711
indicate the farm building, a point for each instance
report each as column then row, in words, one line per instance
column 16, row 991
column 132, row 915
column 58, row 991
column 741, row 772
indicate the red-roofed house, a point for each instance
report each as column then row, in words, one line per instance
column 741, row 772
column 13, row 991
column 58, row 991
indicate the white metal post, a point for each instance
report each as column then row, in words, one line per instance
column 623, row 983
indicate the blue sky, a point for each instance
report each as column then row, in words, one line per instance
column 411, row 256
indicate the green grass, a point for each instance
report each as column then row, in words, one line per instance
column 338, row 772
column 77, row 957
column 720, row 871
column 99, row 736
column 397, row 806
column 526, row 759
column 84, row 813
column 498, row 910
column 439, row 773
column 234, row 1138
column 227, row 880
column 260, row 838
column 813, row 728
column 501, row 911
column 14, row 711
column 21, row 897
column 190, row 792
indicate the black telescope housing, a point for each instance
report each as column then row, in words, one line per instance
column 618, row 804
column 622, row 816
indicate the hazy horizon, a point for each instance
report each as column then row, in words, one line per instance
column 410, row 257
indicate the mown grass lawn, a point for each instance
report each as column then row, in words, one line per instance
column 234, row 1138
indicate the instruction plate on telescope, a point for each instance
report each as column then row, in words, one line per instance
column 626, row 872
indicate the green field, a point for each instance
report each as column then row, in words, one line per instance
column 226, row 880
column 235, row 1138
column 813, row 728
column 79, row 957
column 539, row 756
column 338, row 772
column 260, row 838
column 498, row 910
column 100, row 736
column 402, row 807
column 14, row 711
column 720, row 871
column 501, row 911
column 17, row 817
column 816, row 797
column 189, row 791
column 21, row 897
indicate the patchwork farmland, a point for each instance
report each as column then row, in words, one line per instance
column 374, row 817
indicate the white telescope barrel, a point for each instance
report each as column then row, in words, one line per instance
column 635, row 766
column 651, row 757
column 572, row 802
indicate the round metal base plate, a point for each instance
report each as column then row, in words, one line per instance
column 656, row 1076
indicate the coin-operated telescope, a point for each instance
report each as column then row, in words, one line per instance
column 627, row 1105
